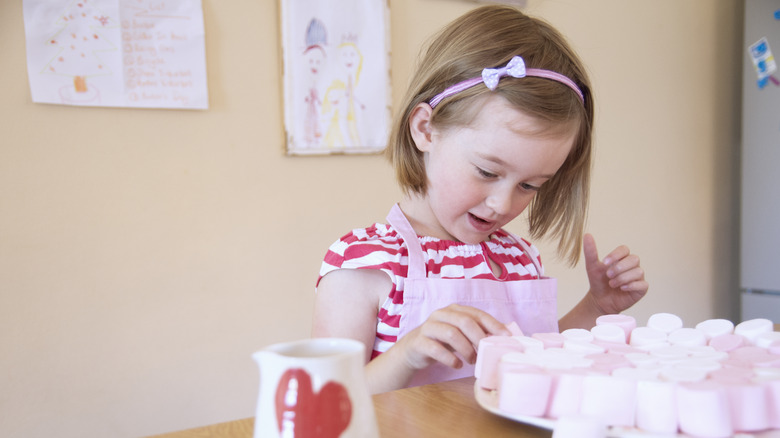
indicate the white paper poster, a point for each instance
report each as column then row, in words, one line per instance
column 117, row 53
column 336, row 75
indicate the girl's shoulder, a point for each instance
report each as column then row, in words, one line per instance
column 372, row 245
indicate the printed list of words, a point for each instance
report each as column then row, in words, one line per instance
column 155, row 63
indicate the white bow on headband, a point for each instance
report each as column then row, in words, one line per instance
column 515, row 68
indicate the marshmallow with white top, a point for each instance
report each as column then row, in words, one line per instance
column 643, row 337
column 578, row 334
column 665, row 322
column 608, row 333
column 752, row 328
column 625, row 322
column 687, row 337
column 715, row 327
column 765, row 340
column 582, row 347
column 642, row 360
column 689, row 375
column 669, row 355
column 608, row 362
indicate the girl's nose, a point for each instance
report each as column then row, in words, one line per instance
column 500, row 201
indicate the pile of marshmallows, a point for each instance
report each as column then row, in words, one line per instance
column 709, row 381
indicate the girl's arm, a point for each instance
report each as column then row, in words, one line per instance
column 346, row 305
column 616, row 283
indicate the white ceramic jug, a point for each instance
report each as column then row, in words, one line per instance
column 314, row 388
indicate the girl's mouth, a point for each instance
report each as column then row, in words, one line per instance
column 480, row 224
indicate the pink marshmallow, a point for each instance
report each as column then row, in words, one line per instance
column 625, row 322
column 550, row 340
column 773, row 402
column 727, row 342
column 703, row 410
column 489, row 353
column 514, row 329
column 608, row 361
column 748, row 406
column 731, row 375
column 610, row 399
column 524, row 392
column 656, row 406
column 566, row 394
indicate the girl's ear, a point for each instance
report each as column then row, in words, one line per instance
column 420, row 126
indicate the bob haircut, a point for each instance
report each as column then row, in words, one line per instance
column 490, row 36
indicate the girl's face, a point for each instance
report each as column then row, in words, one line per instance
column 483, row 175
column 314, row 58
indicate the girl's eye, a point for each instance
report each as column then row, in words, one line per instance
column 529, row 187
column 484, row 173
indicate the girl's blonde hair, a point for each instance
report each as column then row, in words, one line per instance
column 490, row 36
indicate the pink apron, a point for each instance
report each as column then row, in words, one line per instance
column 532, row 304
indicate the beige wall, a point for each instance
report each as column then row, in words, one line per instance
column 145, row 254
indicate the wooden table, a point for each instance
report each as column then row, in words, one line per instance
column 446, row 410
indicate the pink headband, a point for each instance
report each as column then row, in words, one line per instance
column 516, row 69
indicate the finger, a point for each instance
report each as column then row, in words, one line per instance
column 616, row 255
column 589, row 249
column 472, row 321
column 628, row 263
column 626, row 277
column 438, row 352
column 450, row 338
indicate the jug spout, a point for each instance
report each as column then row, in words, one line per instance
column 261, row 356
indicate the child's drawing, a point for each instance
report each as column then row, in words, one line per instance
column 81, row 40
column 336, row 76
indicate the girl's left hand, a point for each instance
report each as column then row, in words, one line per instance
column 617, row 282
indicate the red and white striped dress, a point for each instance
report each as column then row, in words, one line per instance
column 381, row 247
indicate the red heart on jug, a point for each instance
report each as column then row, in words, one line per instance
column 301, row 413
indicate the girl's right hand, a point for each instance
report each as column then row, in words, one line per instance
column 449, row 334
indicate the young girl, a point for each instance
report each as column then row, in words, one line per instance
column 499, row 118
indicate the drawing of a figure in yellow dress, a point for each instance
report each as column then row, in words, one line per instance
column 331, row 105
column 341, row 102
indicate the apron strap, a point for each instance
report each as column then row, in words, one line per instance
column 527, row 251
column 400, row 223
